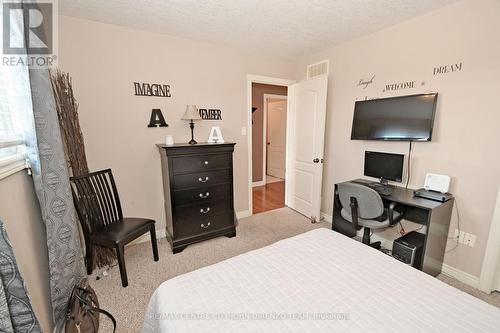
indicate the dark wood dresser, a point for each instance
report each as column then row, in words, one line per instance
column 198, row 188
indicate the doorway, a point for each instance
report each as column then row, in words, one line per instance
column 267, row 142
column 275, row 111
column 489, row 280
column 269, row 194
column 305, row 130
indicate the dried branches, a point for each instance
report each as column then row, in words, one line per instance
column 74, row 148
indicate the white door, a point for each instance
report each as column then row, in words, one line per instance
column 306, row 137
column 276, row 137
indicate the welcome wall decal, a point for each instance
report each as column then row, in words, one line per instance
column 152, row 89
column 400, row 85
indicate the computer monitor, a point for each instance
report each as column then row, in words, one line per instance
column 384, row 166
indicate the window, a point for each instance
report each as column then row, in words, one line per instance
column 15, row 111
column 16, row 115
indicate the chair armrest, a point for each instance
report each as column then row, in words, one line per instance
column 354, row 213
column 390, row 214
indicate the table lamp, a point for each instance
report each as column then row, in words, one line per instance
column 191, row 115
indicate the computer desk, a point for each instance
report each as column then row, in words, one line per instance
column 436, row 216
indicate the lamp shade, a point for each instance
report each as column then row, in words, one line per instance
column 191, row 113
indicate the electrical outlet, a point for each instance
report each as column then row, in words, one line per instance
column 461, row 236
column 465, row 238
column 469, row 239
column 472, row 241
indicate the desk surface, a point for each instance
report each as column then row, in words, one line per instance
column 405, row 196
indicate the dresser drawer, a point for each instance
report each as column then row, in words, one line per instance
column 195, row 163
column 202, row 195
column 201, row 210
column 202, row 179
column 191, row 227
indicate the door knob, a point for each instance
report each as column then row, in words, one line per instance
column 316, row 160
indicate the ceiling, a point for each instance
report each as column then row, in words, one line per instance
column 284, row 28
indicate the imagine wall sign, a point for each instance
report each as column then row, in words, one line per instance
column 152, row 89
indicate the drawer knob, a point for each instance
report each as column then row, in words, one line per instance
column 204, row 211
column 205, row 226
column 206, row 162
column 203, row 180
column 204, row 195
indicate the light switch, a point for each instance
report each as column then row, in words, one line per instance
column 243, row 130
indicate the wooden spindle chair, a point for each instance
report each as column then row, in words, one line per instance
column 100, row 213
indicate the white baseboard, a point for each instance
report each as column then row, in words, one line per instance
column 242, row 214
column 464, row 277
column 460, row 275
column 259, row 183
column 162, row 233
column 326, row 217
column 448, row 270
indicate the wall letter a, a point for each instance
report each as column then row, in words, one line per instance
column 157, row 119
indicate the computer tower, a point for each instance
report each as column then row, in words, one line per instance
column 409, row 249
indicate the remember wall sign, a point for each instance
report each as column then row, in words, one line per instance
column 210, row 114
column 152, row 89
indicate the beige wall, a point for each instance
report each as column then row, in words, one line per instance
column 20, row 212
column 258, row 91
column 104, row 61
column 466, row 132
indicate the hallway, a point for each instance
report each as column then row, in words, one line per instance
column 268, row 197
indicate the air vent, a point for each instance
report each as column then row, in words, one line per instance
column 317, row 69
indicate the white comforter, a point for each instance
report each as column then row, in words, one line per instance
column 319, row 281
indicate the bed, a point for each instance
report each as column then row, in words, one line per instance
column 319, row 281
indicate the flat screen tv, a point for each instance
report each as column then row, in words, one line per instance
column 403, row 118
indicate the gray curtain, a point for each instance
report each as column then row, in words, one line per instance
column 51, row 178
column 16, row 313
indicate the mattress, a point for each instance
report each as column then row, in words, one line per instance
column 319, row 281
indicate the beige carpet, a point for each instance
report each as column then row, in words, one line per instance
column 128, row 305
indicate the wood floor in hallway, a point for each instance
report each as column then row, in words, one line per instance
column 268, row 197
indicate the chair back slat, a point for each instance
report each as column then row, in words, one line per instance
column 96, row 200
column 86, row 208
column 103, row 201
column 111, row 210
column 115, row 193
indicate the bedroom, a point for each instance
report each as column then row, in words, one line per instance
column 107, row 48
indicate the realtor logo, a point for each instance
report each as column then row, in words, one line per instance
column 29, row 30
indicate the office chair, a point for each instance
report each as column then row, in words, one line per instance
column 363, row 207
